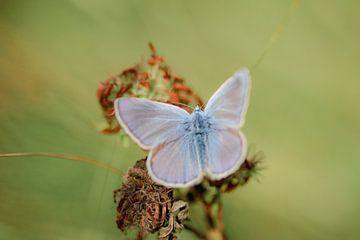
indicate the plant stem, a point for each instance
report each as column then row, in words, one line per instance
column 195, row 231
column 215, row 223
column 220, row 218
column 67, row 157
column 209, row 215
column 141, row 235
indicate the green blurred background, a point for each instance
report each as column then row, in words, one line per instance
column 304, row 112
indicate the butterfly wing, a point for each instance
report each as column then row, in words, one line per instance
column 175, row 163
column 159, row 127
column 226, row 151
column 150, row 123
column 228, row 105
column 226, row 109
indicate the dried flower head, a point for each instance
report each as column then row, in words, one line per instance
column 250, row 167
column 143, row 203
column 208, row 190
column 152, row 80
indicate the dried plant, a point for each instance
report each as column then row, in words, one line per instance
column 147, row 205
column 152, row 80
column 144, row 204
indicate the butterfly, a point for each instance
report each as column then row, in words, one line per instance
column 184, row 147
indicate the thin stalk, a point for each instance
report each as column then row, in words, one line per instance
column 220, row 218
column 195, row 231
column 65, row 156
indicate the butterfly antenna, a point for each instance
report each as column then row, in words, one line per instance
column 203, row 106
column 182, row 104
column 274, row 38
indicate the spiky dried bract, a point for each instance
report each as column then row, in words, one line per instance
column 208, row 190
column 143, row 203
column 152, row 80
column 249, row 168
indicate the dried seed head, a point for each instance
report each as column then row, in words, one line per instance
column 143, row 203
column 250, row 167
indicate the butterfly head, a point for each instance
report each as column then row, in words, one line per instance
column 197, row 109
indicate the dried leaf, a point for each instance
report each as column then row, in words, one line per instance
column 164, row 232
column 178, row 227
column 178, row 205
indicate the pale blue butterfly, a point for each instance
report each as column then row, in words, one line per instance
column 185, row 147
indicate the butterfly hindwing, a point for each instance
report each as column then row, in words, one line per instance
column 226, row 151
column 176, row 163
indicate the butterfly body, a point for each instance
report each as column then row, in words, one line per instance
column 198, row 128
column 185, row 147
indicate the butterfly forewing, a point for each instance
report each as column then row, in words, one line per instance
column 150, row 123
column 229, row 103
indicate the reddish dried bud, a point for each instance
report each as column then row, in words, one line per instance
column 103, row 92
column 152, row 48
column 155, row 60
column 167, row 75
column 178, row 79
column 123, row 89
column 183, row 98
column 174, row 98
column 110, row 130
column 181, row 87
column 132, row 71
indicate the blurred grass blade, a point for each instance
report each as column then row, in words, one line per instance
column 66, row 157
column 276, row 34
